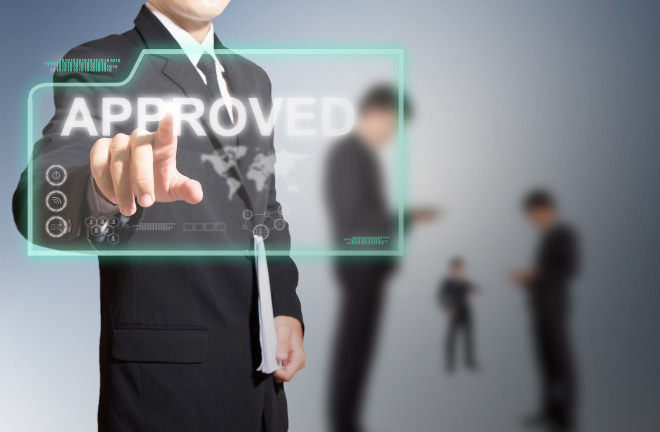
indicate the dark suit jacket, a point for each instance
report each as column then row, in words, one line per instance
column 556, row 264
column 179, row 337
column 455, row 294
column 355, row 196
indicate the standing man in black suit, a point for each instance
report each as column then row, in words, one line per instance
column 358, row 207
column 548, row 285
column 180, row 346
column 454, row 297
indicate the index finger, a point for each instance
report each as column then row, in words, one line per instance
column 143, row 168
column 165, row 132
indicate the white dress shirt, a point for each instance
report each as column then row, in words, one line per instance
column 194, row 50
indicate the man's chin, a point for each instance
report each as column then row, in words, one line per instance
column 206, row 10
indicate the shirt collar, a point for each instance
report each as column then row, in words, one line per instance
column 191, row 48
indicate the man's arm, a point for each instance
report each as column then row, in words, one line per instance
column 68, row 156
column 283, row 274
column 351, row 195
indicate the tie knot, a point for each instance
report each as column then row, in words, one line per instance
column 206, row 64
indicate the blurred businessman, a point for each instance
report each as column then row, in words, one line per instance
column 358, row 208
column 179, row 343
column 548, row 283
column 455, row 292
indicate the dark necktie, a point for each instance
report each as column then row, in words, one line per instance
column 206, row 64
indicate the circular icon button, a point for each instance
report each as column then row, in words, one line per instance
column 56, row 175
column 56, row 227
column 279, row 224
column 56, row 201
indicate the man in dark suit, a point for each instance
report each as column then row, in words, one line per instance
column 548, row 284
column 358, row 209
column 180, row 342
column 454, row 297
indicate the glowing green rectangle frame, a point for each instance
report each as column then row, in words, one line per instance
column 397, row 53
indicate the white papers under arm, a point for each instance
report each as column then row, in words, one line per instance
column 267, row 333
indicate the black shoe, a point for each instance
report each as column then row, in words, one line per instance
column 536, row 421
column 559, row 428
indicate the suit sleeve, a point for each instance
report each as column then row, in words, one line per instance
column 68, row 152
column 350, row 195
column 282, row 270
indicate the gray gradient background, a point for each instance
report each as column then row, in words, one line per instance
column 509, row 94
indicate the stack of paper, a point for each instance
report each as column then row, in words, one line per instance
column 268, row 336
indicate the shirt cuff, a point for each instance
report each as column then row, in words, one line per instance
column 97, row 205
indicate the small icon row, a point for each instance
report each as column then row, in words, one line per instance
column 102, row 221
column 210, row 226
column 56, row 226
